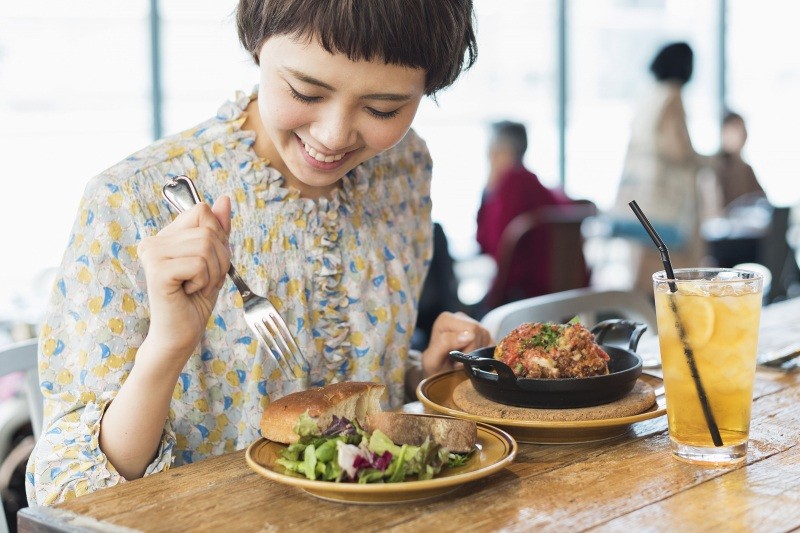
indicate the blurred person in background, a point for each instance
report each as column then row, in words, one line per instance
column 662, row 173
column 735, row 177
column 511, row 190
column 746, row 229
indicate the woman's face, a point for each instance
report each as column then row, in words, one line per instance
column 324, row 114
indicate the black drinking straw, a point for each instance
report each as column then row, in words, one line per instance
column 687, row 350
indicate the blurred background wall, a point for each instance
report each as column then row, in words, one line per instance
column 84, row 84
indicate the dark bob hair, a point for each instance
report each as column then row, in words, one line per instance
column 434, row 35
column 674, row 62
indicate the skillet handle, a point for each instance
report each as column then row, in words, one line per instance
column 619, row 332
column 473, row 361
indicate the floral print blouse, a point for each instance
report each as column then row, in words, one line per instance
column 345, row 272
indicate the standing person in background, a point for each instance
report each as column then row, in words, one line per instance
column 735, row 178
column 512, row 190
column 661, row 173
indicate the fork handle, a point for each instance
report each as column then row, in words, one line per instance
column 182, row 194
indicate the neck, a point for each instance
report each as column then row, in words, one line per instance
column 263, row 146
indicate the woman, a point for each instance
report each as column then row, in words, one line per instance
column 661, row 172
column 316, row 191
column 736, row 179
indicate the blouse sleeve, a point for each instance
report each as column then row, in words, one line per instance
column 95, row 321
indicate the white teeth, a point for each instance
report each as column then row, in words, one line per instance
column 320, row 157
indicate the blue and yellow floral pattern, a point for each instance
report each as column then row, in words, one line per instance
column 345, row 272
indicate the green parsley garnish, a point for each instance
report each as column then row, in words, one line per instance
column 547, row 338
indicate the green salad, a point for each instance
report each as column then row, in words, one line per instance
column 346, row 453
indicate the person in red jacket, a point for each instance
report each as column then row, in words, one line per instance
column 511, row 190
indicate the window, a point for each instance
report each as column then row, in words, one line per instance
column 513, row 79
column 74, row 99
column 610, row 46
column 763, row 86
column 203, row 63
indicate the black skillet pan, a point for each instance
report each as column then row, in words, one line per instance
column 496, row 381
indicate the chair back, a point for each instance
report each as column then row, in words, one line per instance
column 23, row 357
column 775, row 253
column 589, row 305
column 567, row 265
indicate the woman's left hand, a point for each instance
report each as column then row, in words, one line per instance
column 452, row 331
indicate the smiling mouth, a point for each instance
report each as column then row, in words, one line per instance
column 322, row 158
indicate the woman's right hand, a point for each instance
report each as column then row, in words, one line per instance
column 185, row 266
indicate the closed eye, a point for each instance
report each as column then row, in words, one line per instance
column 302, row 97
column 382, row 114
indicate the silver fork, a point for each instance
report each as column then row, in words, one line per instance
column 259, row 313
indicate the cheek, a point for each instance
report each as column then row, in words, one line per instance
column 283, row 117
column 279, row 111
column 385, row 134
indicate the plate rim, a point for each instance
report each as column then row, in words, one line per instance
column 317, row 487
column 661, row 410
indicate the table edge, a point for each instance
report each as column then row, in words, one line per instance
column 51, row 519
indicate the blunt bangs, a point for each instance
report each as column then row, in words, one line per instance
column 434, row 35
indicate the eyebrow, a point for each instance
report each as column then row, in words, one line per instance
column 391, row 97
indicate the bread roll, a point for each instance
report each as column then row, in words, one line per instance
column 353, row 400
column 403, row 428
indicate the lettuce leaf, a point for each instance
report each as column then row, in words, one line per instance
column 397, row 470
column 306, row 426
column 351, row 454
column 326, row 451
column 310, row 462
column 457, row 459
column 379, row 443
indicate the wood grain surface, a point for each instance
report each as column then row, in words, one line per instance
column 629, row 483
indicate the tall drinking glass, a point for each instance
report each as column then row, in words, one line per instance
column 708, row 334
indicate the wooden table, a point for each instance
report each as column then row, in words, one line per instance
column 628, row 483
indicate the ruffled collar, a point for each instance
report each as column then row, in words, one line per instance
column 323, row 221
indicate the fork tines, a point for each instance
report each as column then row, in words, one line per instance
column 277, row 336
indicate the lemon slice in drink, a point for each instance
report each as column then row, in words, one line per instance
column 697, row 317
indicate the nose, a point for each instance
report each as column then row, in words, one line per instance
column 335, row 130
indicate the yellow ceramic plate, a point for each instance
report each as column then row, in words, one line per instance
column 436, row 394
column 495, row 450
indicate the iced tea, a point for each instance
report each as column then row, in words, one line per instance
column 719, row 312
